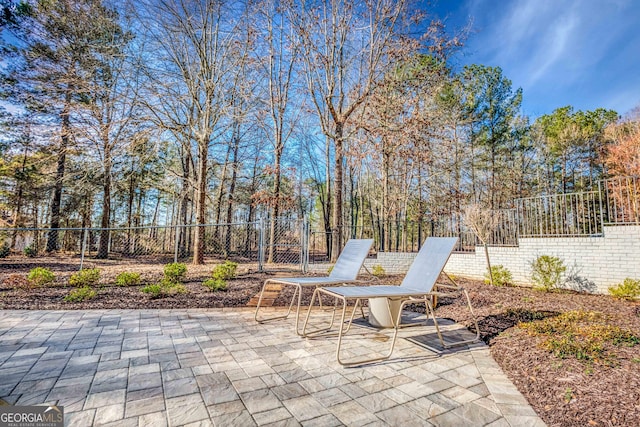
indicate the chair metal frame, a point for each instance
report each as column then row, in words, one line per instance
column 408, row 295
column 344, row 272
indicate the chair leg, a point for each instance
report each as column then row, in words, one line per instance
column 298, row 292
column 456, row 343
column 344, row 331
column 304, row 333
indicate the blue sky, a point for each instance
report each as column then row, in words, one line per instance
column 584, row 53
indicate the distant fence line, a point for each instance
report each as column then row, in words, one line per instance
column 615, row 202
column 241, row 242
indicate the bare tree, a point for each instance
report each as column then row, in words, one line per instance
column 346, row 48
column 59, row 43
column 197, row 49
column 279, row 64
column 483, row 222
column 110, row 110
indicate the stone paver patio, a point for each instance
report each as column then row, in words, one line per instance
column 220, row 367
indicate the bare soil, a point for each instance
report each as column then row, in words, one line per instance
column 564, row 392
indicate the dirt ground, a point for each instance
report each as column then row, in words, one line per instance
column 563, row 391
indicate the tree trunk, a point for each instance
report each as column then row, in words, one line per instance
column 19, row 198
column 275, row 207
column 386, row 189
column 130, row 199
column 184, row 205
column 251, row 212
column 198, row 252
column 103, row 250
column 355, row 207
column 219, row 197
column 486, row 254
column 232, row 189
column 325, row 198
column 337, row 195
column 65, row 134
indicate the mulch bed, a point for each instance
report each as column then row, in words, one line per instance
column 564, row 392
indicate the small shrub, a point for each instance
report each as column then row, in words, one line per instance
column 40, row 276
column 225, row 271
column 88, row 277
column 175, row 272
column 215, row 284
column 164, row 288
column 80, row 294
column 378, row 271
column 546, row 272
column 17, row 281
column 585, row 335
column 220, row 274
column 5, row 250
column 128, row 279
column 330, row 269
column 178, row 289
column 501, row 276
column 30, row 251
column 155, row 290
column 568, row 395
column 629, row 289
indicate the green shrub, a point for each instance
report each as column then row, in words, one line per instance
column 5, row 250
column 164, row 288
column 88, row 277
column 220, row 274
column 330, row 269
column 175, row 272
column 225, row 271
column 80, row 294
column 155, row 290
column 378, row 271
column 629, row 289
column 215, row 284
column 128, row 279
column 546, row 272
column 30, row 251
column 40, row 276
column 501, row 276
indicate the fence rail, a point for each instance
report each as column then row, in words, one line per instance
column 621, row 200
column 574, row 214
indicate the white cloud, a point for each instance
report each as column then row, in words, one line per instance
column 554, row 48
column 560, row 51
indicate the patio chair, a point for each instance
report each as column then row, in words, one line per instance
column 417, row 287
column 344, row 271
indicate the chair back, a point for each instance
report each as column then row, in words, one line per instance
column 429, row 263
column 351, row 259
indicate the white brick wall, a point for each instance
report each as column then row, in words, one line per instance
column 593, row 263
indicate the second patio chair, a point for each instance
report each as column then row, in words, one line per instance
column 344, row 271
column 417, row 287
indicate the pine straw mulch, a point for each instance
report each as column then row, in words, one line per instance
column 563, row 391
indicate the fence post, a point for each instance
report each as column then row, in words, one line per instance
column 84, row 247
column 175, row 245
column 601, row 210
column 305, row 245
column 261, row 225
